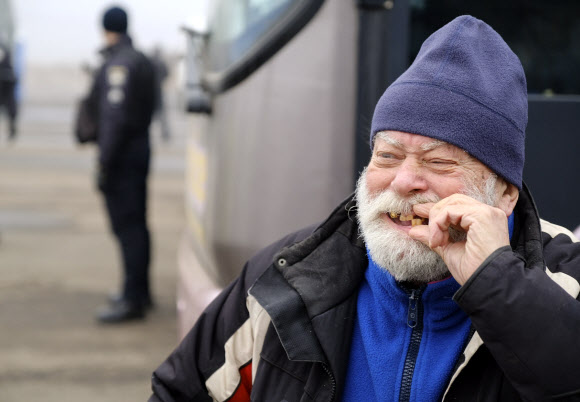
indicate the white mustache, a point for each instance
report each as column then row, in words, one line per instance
column 389, row 201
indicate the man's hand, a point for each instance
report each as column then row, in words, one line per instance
column 486, row 230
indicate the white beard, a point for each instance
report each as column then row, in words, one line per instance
column 404, row 258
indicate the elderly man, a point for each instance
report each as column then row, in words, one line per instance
column 447, row 286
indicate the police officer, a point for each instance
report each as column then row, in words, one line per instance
column 7, row 91
column 124, row 89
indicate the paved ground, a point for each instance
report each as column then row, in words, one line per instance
column 58, row 262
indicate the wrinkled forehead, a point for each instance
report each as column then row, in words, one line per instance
column 401, row 140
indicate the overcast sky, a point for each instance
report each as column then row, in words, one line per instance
column 65, row 31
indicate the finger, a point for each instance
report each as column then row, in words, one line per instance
column 420, row 233
column 423, row 210
column 438, row 230
column 489, row 222
column 451, row 211
column 457, row 211
column 441, row 218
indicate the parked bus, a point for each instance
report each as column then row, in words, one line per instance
column 284, row 92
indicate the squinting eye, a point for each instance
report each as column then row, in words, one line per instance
column 440, row 162
column 385, row 155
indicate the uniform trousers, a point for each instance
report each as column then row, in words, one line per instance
column 126, row 201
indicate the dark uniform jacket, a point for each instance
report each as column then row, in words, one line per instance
column 282, row 330
column 123, row 93
column 7, row 84
column 6, row 68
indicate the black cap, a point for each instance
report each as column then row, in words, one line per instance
column 115, row 20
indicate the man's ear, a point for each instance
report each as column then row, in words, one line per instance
column 508, row 197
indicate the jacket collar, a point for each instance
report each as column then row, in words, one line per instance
column 124, row 41
column 527, row 238
column 310, row 278
column 329, row 264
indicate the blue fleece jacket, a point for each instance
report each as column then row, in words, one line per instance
column 380, row 357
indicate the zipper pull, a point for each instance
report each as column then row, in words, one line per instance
column 412, row 311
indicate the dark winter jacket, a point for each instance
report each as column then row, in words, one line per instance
column 123, row 93
column 282, row 330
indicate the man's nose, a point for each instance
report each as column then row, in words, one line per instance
column 409, row 178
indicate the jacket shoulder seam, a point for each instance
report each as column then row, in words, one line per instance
column 554, row 230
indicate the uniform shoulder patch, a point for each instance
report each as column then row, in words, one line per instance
column 117, row 75
column 115, row 96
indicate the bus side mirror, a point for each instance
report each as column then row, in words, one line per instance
column 196, row 98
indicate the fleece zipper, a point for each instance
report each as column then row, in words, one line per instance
column 415, row 322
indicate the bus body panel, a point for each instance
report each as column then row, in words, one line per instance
column 275, row 154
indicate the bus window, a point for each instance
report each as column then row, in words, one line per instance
column 544, row 35
column 245, row 33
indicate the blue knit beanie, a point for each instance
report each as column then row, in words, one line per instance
column 467, row 88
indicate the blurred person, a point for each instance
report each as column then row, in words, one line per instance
column 436, row 280
column 124, row 91
column 161, row 74
column 7, row 89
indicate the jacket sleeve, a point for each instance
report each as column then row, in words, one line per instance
column 202, row 353
column 116, row 83
column 529, row 318
column 217, row 353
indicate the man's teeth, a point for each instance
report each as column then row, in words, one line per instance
column 414, row 220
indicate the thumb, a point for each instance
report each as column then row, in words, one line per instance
column 420, row 233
